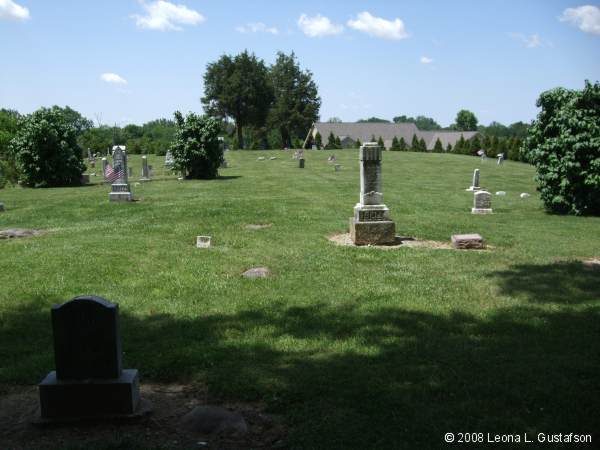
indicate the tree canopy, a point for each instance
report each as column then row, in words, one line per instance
column 466, row 121
column 422, row 122
column 296, row 101
column 238, row 87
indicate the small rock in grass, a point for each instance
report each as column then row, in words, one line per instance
column 214, row 419
column 273, row 157
column 525, row 195
column 467, row 241
column 257, row 272
column 500, row 193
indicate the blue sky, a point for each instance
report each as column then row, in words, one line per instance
column 130, row 61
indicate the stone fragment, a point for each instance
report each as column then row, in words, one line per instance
column 257, row 272
column 207, row 419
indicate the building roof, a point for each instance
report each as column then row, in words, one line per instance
column 365, row 130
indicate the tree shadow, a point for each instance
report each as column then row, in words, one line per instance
column 354, row 378
column 566, row 282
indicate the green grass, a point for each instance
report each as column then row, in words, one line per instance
column 355, row 347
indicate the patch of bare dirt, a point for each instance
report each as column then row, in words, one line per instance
column 19, row 408
column 12, row 233
column 401, row 242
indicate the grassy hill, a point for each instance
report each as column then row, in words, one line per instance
column 354, row 347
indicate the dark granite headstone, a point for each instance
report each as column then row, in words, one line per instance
column 301, row 163
column 89, row 381
column 86, row 339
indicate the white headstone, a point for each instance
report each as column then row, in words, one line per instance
column 482, row 203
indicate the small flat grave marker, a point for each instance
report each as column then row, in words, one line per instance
column 203, row 241
column 467, row 241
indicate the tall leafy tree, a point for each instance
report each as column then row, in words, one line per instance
column 238, row 87
column 334, row 120
column 402, row 146
column 296, row 100
column 331, row 142
column 438, row 148
column 422, row 145
column 466, row 121
column 422, row 122
column 380, row 142
column 563, row 143
column 395, row 144
column 318, row 140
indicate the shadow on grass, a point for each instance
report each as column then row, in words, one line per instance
column 351, row 378
column 566, row 282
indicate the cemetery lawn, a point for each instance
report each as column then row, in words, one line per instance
column 352, row 347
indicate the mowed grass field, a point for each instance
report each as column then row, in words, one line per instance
column 353, row 347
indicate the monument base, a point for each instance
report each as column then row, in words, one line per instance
column 120, row 197
column 473, row 188
column 374, row 233
column 481, row 211
column 69, row 399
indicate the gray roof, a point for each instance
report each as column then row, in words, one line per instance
column 364, row 131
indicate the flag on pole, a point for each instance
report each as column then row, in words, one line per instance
column 112, row 175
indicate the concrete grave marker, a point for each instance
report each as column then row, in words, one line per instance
column 482, row 203
column 475, row 182
column 203, row 241
column 120, row 191
column 301, row 163
column 89, row 379
column 371, row 223
column 104, row 167
column 467, row 241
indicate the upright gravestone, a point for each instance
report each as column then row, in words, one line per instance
column 104, row 167
column 500, row 158
column 145, row 170
column 120, row 191
column 475, row 183
column 482, row 203
column 301, row 163
column 371, row 223
column 169, row 161
column 89, row 380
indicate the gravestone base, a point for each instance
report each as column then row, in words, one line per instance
column 144, row 179
column 473, row 188
column 90, row 398
column 481, row 211
column 120, row 193
column 373, row 233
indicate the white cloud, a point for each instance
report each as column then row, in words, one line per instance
column 586, row 18
column 113, row 78
column 426, row 60
column 531, row 41
column 11, row 10
column 256, row 27
column 318, row 26
column 378, row 27
column 165, row 16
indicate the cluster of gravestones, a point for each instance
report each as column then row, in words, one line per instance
column 482, row 200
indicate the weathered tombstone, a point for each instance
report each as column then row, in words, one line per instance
column 482, row 203
column 104, row 166
column 130, row 171
column 467, row 241
column 89, row 155
column 145, row 169
column 475, row 182
column 89, row 380
column 203, row 241
column 85, row 178
column 314, row 147
column 301, row 163
column 120, row 191
column 371, row 223
column 500, row 158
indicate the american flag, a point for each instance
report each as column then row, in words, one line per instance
column 112, row 175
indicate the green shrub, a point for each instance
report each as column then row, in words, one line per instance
column 564, row 145
column 46, row 151
column 195, row 147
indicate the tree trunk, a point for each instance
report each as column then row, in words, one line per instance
column 285, row 138
column 240, row 135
